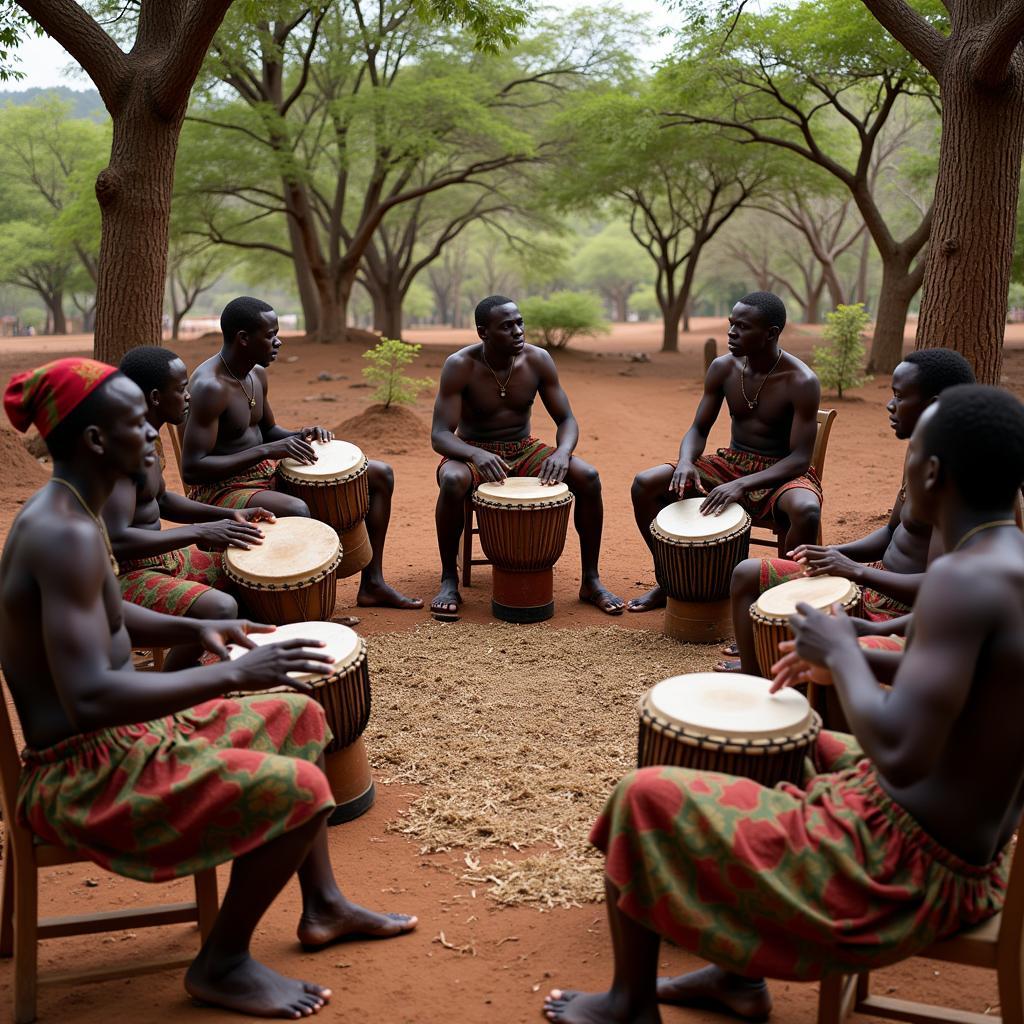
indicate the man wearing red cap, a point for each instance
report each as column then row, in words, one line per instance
column 160, row 780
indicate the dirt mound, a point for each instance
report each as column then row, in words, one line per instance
column 22, row 471
column 35, row 445
column 388, row 431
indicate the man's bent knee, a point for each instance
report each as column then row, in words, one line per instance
column 380, row 476
column 455, row 481
column 583, row 478
column 746, row 578
column 214, row 604
column 650, row 483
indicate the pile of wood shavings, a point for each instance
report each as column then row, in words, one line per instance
column 518, row 734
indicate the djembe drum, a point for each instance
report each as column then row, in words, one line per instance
column 345, row 698
column 771, row 611
column 292, row 575
column 694, row 556
column 727, row 723
column 522, row 531
column 336, row 489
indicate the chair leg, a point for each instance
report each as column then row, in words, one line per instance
column 1011, row 992
column 467, row 544
column 836, row 998
column 26, row 946
column 7, row 902
column 206, row 900
column 158, row 659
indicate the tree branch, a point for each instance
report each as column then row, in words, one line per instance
column 1001, row 38
column 910, row 29
column 103, row 60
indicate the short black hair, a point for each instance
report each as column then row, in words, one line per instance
column 938, row 369
column 62, row 439
column 149, row 366
column 482, row 313
column 772, row 308
column 977, row 432
column 243, row 314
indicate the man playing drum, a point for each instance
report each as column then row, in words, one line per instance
column 157, row 778
column 175, row 571
column 481, row 429
column 772, row 399
column 887, row 564
column 902, row 838
column 232, row 441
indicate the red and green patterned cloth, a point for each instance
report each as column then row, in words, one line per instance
column 524, row 457
column 171, row 583
column 48, row 394
column 878, row 607
column 237, row 491
column 167, row 798
column 791, row 882
column 732, row 464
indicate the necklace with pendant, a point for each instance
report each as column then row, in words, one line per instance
column 752, row 402
column 502, row 388
column 95, row 518
column 250, row 397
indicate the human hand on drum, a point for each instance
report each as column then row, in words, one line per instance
column 255, row 515
column 216, row 634
column 826, row 561
column 722, row 496
column 684, row 479
column 491, row 467
column 792, row 670
column 270, row 664
column 292, row 447
column 819, row 633
column 316, row 433
column 554, row 468
column 234, row 532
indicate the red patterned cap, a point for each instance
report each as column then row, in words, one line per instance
column 47, row 395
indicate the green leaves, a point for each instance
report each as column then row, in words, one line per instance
column 553, row 322
column 840, row 365
column 386, row 371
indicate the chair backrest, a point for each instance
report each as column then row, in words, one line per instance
column 18, row 837
column 826, row 417
column 175, row 434
column 1011, row 925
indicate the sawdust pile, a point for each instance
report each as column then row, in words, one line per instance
column 518, row 734
column 386, row 431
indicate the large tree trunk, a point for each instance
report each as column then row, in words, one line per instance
column 308, row 296
column 57, row 322
column 134, row 193
column 898, row 289
column 968, row 270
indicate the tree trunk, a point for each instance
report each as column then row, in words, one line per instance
column 134, row 193
column 968, row 270
column 669, row 333
column 304, row 280
column 812, row 308
column 58, row 323
column 862, row 270
column 898, row 288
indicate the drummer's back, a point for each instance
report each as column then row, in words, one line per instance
column 973, row 799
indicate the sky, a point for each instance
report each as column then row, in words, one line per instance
column 46, row 63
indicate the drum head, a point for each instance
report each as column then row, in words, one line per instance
column 522, row 490
column 334, row 461
column 343, row 644
column 718, row 704
column 294, row 550
column 818, row 591
column 682, row 520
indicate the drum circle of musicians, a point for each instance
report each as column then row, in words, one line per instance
column 839, row 792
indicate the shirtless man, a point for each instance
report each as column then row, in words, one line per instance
column 232, row 441
column 481, row 429
column 902, row 838
column 159, row 777
column 176, row 571
column 772, row 399
column 888, row 564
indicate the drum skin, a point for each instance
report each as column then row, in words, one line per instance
column 771, row 630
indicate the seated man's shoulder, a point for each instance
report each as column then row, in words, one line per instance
column 463, row 359
column 799, row 370
column 206, row 387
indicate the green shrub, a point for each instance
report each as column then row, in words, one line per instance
column 385, row 370
column 839, row 366
column 553, row 322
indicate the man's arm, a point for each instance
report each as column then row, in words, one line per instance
column 455, row 376
column 903, row 730
column 272, row 432
column 176, row 508
column 77, row 637
column 567, row 431
column 696, row 438
column 199, row 464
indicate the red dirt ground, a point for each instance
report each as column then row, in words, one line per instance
column 631, row 415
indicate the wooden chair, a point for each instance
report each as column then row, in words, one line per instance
column 998, row 944
column 21, row 928
column 469, row 530
column 773, row 538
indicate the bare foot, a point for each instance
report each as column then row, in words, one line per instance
column 446, row 605
column 728, row 665
column 346, row 620
column 730, row 650
column 596, row 1008
column 379, row 595
column 247, row 986
column 650, row 601
column 341, row 920
column 595, row 593
column 715, row 989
